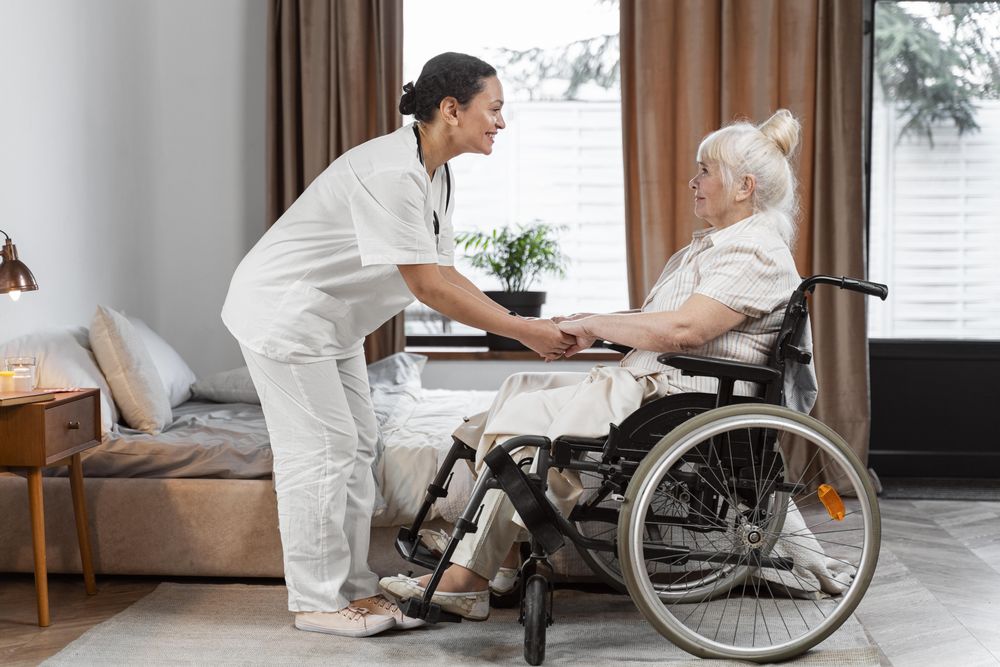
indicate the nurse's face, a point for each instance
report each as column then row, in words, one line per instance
column 482, row 118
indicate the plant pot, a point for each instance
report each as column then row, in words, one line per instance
column 525, row 304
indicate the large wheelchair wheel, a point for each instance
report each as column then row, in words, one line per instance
column 691, row 583
column 598, row 512
column 754, row 535
column 600, row 523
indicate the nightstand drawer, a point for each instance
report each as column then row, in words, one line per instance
column 69, row 425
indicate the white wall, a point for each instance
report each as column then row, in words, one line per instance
column 132, row 161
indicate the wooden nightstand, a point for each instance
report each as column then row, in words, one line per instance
column 49, row 433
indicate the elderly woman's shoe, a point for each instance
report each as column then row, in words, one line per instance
column 505, row 580
column 472, row 605
column 436, row 541
column 347, row 622
column 379, row 604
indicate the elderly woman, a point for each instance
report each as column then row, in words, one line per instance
column 721, row 296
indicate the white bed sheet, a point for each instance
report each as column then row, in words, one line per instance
column 415, row 449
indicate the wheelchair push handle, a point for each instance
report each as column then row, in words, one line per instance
column 843, row 282
column 865, row 287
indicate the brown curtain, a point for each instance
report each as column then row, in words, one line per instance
column 334, row 75
column 691, row 66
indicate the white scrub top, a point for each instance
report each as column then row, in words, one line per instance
column 324, row 275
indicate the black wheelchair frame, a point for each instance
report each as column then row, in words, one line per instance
column 620, row 454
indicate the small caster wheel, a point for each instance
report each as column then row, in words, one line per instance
column 535, row 619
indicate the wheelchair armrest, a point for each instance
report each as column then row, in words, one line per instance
column 690, row 364
column 624, row 349
column 583, row 442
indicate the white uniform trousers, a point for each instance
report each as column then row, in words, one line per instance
column 323, row 435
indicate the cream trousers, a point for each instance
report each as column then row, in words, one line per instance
column 550, row 404
column 323, row 435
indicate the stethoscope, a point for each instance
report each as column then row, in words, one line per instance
column 447, row 183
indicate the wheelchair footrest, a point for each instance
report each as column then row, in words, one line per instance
column 408, row 546
column 430, row 612
column 787, row 487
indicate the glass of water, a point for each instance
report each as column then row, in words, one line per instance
column 23, row 366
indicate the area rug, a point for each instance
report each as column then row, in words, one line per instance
column 913, row 488
column 228, row 624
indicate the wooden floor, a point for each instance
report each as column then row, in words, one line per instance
column 935, row 598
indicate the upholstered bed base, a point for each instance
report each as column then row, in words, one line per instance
column 171, row 527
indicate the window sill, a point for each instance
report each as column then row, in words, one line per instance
column 485, row 354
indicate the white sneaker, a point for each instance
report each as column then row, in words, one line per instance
column 472, row 605
column 379, row 604
column 504, row 581
column 347, row 622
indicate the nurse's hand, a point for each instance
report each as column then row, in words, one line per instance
column 570, row 318
column 545, row 338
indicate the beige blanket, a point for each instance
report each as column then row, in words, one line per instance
column 584, row 404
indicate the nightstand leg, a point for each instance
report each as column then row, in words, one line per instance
column 82, row 525
column 38, row 542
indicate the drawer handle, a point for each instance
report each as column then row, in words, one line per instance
column 72, row 425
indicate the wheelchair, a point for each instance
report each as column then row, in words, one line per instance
column 694, row 508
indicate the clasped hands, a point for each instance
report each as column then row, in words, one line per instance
column 562, row 336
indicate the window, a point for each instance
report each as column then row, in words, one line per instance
column 935, row 156
column 559, row 160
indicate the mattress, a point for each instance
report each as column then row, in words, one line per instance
column 415, row 449
column 230, row 441
column 218, row 440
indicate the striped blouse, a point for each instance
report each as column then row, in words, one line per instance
column 747, row 267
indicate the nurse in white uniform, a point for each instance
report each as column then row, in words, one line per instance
column 372, row 232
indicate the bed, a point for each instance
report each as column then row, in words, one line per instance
column 196, row 498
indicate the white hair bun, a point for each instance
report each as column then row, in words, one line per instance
column 783, row 130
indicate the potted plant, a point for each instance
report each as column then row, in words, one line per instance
column 516, row 256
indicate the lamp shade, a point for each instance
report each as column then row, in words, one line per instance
column 14, row 275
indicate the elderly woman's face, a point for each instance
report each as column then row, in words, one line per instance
column 711, row 201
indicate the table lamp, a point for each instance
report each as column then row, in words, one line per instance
column 15, row 277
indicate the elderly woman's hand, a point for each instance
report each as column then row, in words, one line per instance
column 579, row 328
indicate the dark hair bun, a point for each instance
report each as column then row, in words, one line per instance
column 408, row 101
column 449, row 74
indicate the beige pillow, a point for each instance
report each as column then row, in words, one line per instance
column 128, row 367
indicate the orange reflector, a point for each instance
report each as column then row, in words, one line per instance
column 831, row 501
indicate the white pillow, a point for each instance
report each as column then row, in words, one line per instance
column 394, row 383
column 65, row 360
column 177, row 376
column 233, row 386
column 135, row 384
